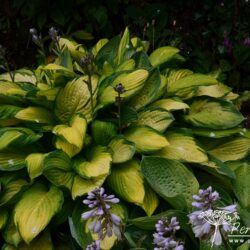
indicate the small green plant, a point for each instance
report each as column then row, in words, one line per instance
column 146, row 129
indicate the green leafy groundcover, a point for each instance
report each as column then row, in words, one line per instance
column 65, row 130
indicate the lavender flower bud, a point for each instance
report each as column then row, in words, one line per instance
column 53, row 33
column 119, row 88
column 87, row 61
column 205, row 198
column 95, row 227
column 164, row 237
column 87, row 215
column 33, row 31
column 115, row 219
column 94, row 246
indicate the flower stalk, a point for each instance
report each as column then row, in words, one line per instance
column 53, row 33
column 37, row 39
column 120, row 90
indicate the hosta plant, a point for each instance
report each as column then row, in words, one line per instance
column 138, row 124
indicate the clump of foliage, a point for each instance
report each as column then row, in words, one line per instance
column 148, row 130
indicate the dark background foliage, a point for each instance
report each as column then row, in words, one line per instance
column 213, row 35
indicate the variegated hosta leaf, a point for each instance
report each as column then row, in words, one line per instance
column 170, row 104
column 103, row 132
column 184, row 84
column 47, row 92
column 82, row 186
column 34, row 163
column 148, row 93
column 3, row 218
column 17, row 137
column 127, row 182
column 71, row 138
column 122, row 149
column 76, row 51
column 162, row 88
column 132, row 83
column 162, row 55
column 98, row 46
column 171, row 180
column 176, row 74
column 11, row 88
column 12, row 161
column 35, row 114
column 151, row 201
column 57, row 168
column 142, row 61
column 35, row 209
column 146, row 139
column 212, row 133
column 231, row 96
column 57, row 74
column 21, row 75
column 11, row 190
column 231, row 149
column 217, row 90
column 8, row 122
column 107, row 70
column 108, row 52
column 156, row 118
column 123, row 46
column 213, row 113
column 75, row 98
column 11, row 234
column 8, row 112
column 126, row 65
column 140, row 45
column 214, row 165
column 42, row 241
column 97, row 163
column 241, row 184
column 183, row 147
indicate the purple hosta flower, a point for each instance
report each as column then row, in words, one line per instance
column 87, row 61
column 36, row 38
column 104, row 222
column 119, row 88
column 246, row 42
column 164, row 237
column 53, row 33
column 205, row 199
column 209, row 221
column 94, row 246
column 228, row 44
column 33, row 31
